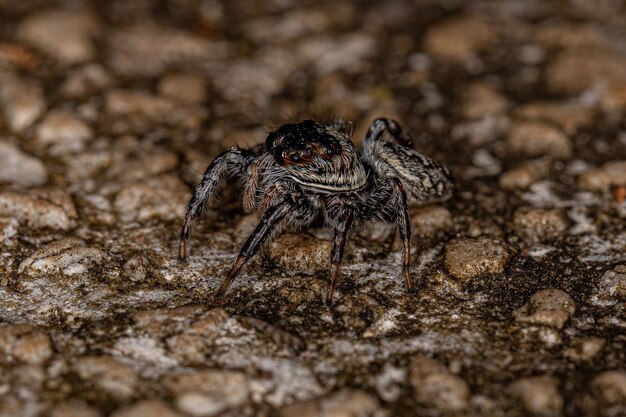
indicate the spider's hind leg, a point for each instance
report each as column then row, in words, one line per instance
column 232, row 162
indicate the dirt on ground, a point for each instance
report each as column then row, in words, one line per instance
column 110, row 112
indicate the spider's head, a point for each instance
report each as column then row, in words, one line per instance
column 317, row 156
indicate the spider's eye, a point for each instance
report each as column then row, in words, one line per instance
column 329, row 151
column 295, row 158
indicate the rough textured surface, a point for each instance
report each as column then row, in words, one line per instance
column 111, row 110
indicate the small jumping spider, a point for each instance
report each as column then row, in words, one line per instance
column 309, row 170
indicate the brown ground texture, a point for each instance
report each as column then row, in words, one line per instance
column 110, row 111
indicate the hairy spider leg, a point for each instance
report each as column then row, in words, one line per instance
column 378, row 127
column 404, row 226
column 232, row 162
column 339, row 243
column 260, row 234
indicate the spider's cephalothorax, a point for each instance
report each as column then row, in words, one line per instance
column 309, row 169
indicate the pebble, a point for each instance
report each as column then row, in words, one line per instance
column 573, row 71
column 148, row 165
column 435, row 386
column 524, row 175
column 610, row 387
column 610, row 289
column 209, row 392
column 347, row 402
column 479, row 100
column 109, row 375
column 300, row 253
column 147, row 408
column 61, row 132
column 22, row 102
column 139, row 109
column 185, row 88
column 69, row 255
column 137, row 268
column 569, row 116
column 469, row 258
column 540, row 223
column 74, row 409
column 429, row 219
column 86, row 80
column 44, row 208
column 539, row 395
column 66, row 35
column 611, row 174
column 458, row 38
column 585, row 349
column 534, row 138
column 148, row 50
column 161, row 198
column 19, row 168
column 23, row 343
column 8, row 229
column 550, row 307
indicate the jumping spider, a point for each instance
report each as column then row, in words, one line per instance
column 309, row 170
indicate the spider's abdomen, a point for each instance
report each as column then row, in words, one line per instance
column 423, row 178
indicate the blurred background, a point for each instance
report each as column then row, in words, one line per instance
column 111, row 110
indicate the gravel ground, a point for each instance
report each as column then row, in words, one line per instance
column 109, row 112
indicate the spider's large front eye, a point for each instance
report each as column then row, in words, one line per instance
column 295, row 158
column 329, row 151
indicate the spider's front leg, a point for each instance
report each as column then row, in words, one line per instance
column 346, row 217
column 232, row 162
column 271, row 218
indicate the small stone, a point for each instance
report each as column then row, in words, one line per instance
column 72, row 409
column 161, row 321
column 84, row 81
column 108, row 374
column 611, row 174
column 69, row 255
column 137, row 268
column 610, row 289
column 300, row 253
column 61, row 132
column 537, row 139
column 571, row 36
column 430, row 219
column 148, row 50
column 24, row 343
column 549, row 307
column 147, row 408
column 19, row 168
column 539, row 223
column 208, row 393
column 22, row 102
column 525, row 175
column 33, row 348
column 610, row 387
column 567, row 115
column 480, row 100
column 458, row 38
column 539, row 395
column 148, row 165
column 586, row 349
column 469, row 258
column 65, row 35
column 185, row 88
column 140, row 110
column 161, row 198
column 347, row 402
column 45, row 208
column 437, row 387
column 574, row 71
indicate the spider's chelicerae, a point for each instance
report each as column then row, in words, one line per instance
column 309, row 170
